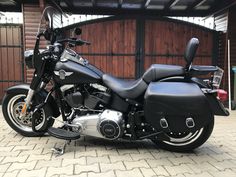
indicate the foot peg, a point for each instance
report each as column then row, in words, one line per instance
column 63, row 134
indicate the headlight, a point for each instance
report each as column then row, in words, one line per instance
column 29, row 58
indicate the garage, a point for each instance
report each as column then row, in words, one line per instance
column 133, row 35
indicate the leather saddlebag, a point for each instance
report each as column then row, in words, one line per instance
column 176, row 107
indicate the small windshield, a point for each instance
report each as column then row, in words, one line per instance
column 50, row 19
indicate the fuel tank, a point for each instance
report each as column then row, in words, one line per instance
column 73, row 69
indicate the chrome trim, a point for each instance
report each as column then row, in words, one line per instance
column 28, row 100
column 90, row 124
column 11, row 110
column 66, row 87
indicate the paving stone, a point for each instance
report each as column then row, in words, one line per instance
column 18, row 143
column 163, row 154
column 222, row 157
column 81, row 175
column 91, row 160
column 142, row 156
column 79, row 169
column 9, row 154
column 136, row 164
column 203, row 158
column 181, row 160
column 20, row 166
column 106, row 152
column 24, row 156
column 39, row 157
column 32, row 173
column 67, row 170
column 81, row 161
column 105, row 174
column 180, row 169
column 160, row 170
column 117, row 158
column 6, row 148
column 15, row 159
column 4, row 167
column 204, row 174
column 85, row 154
column 30, row 152
column 147, row 172
column 224, row 164
column 127, row 151
column 42, row 140
column 129, row 173
column 111, row 166
column 11, row 174
column 156, row 163
column 48, row 163
column 26, row 147
column 226, row 173
column 203, row 167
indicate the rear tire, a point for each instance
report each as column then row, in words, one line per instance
column 181, row 144
column 11, row 105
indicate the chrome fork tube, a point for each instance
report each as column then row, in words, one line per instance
column 27, row 102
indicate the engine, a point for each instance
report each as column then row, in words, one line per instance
column 93, row 97
column 89, row 104
column 109, row 124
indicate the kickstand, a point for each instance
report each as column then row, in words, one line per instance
column 58, row 151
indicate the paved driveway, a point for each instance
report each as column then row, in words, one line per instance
column 21, row 156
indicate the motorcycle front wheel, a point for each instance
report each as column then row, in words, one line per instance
column 12, row 105
column 186, row 142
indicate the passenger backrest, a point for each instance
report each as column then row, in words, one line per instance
column 190, row 51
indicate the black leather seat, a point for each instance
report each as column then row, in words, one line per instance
column 125, row 88
column 133, row 89
column 159, row 71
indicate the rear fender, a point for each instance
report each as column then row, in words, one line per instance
column 41, row 95
column 216, row 106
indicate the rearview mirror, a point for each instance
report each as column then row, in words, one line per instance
column 78, row 31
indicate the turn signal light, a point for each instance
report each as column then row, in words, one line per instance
column 222, row 95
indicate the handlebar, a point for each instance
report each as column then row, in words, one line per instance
column 74, row 42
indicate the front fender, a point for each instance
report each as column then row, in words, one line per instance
column 41, row 95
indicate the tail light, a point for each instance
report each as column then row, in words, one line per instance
column 222, row 95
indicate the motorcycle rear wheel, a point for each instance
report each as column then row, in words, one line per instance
column 11, row 108
column 186, row 142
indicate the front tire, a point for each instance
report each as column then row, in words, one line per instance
column 186, row 142
column 11, row 108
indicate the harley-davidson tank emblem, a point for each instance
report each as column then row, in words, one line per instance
column 62, row 74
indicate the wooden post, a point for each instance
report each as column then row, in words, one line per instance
column 229, row 79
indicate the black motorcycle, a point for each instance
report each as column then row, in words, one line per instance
column 168, row 104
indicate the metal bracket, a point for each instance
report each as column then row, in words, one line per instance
column 58, row 151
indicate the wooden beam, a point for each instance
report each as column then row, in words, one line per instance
column 151, row 12
column 120, row 2
column 196, row 4
column 42, row 5
column 68, row 3
column 94, row 3
column 170, row 4
column 218, row 8
column 145, row 3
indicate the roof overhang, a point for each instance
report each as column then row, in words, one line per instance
column 140, row 7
